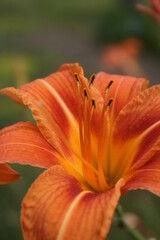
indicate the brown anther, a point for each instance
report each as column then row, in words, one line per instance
column 93, row 102
column 77, row 78
column 91, row 80
column 109, row 103
column 85, row 93
column 108, row 86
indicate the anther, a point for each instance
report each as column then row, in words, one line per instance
column 77, row 78
column 93, row 102
column 85, row 93
column 109, row 103
column 108, row 85
column 91, row 80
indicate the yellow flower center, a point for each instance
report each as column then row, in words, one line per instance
column 94, row 157
column 97, row 162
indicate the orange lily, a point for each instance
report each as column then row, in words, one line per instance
column 154, row 11
column 124, row 56
column 98, row 139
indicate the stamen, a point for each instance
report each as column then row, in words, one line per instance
column 103, row 144
column 86, row 125
column 85, row 93
column 106, row 162
column 77, row 78
column 93, row 102
column 80, row 112
column 108, row 86
column 109, row 103
column 106, row 156
column 91, row 80
column 88, row 112
column 106, row 96
column 89, row 174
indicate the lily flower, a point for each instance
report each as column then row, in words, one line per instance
column 123, row 56
column 97, row 139
column 154, row 11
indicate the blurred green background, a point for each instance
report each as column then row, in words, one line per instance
column 36, row 37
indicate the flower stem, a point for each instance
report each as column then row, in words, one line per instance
column 121, row 222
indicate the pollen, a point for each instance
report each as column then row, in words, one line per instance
column 108, row 85
column 85, row 93
column 77, row 78
column 109, row 103
column 91, row 80
column 93, row 103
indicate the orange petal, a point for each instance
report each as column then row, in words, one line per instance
column 136, row 131
column 7, row 174
column 146, row 180
column 56, row 207
column 54, row 104
column 148, row 147
column 23, row 143
column 138, row 115
column 122, row 90
column 147, row 177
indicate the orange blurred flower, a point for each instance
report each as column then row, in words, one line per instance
column 98, row 139
column 123, row 56
column 154, row 11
